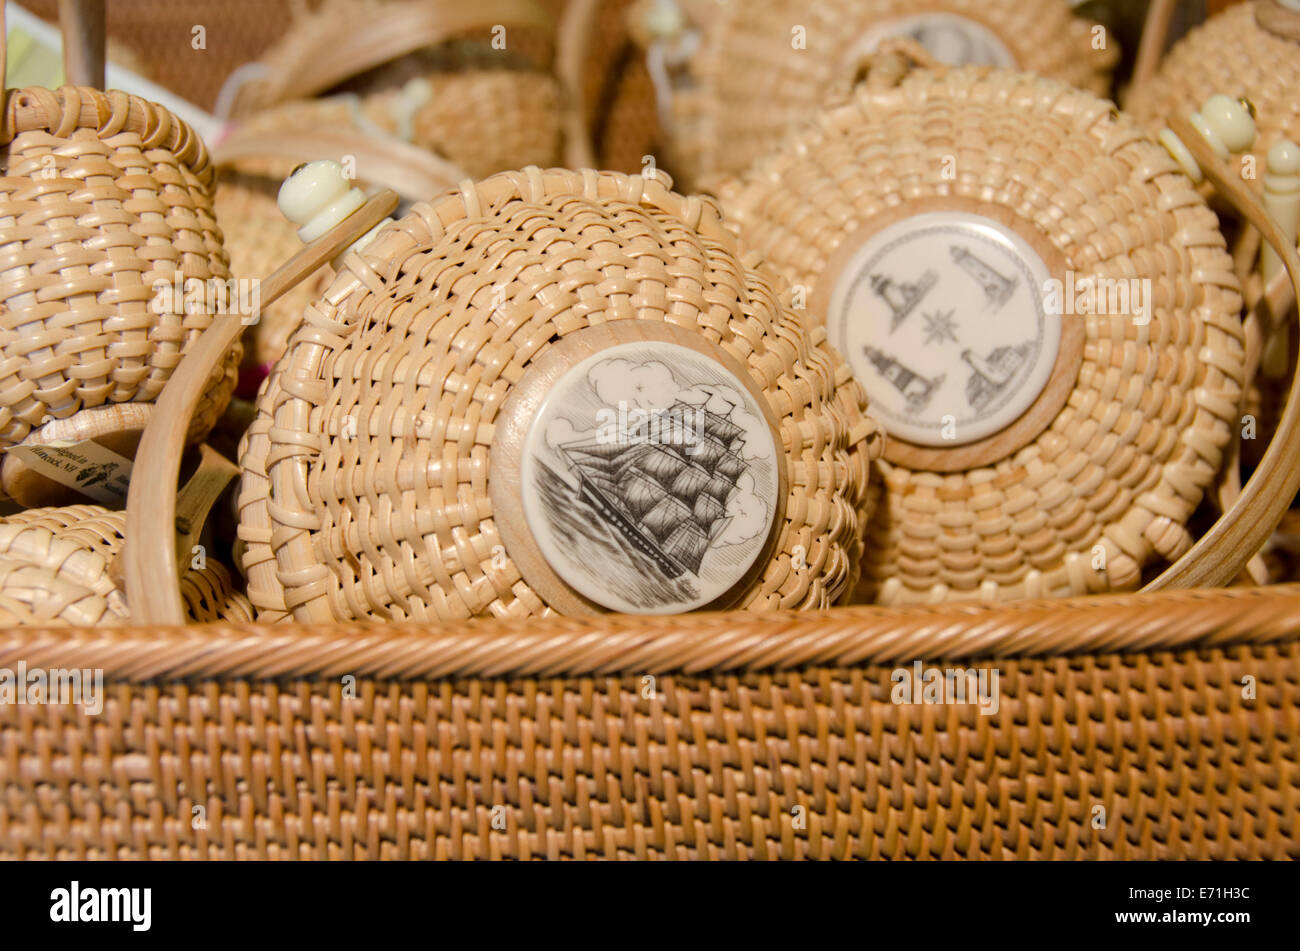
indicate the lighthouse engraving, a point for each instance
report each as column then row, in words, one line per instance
column 997, row 287
column 994, row 373
column 917, row 390
column 902, row 297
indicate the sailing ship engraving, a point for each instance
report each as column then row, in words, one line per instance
column 997, row 287
column 902, row 297
column 992, row 374
column 916, row 389
column 667, row 499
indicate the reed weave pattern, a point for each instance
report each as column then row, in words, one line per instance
column 750, row 81
column 1125, row 462
column 486, row 110
column 365, row 489
column 103, row 196
column 1232, row 55
column 54, row 569
column 545, row 739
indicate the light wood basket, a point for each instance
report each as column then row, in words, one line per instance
column 1109, row 467
column 561, row 251
column 484, row 109
column 105, row 196
column 730, row 735
column 748, row 82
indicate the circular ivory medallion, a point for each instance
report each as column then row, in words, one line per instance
column 649, row 476
column 942, row 317
column 951, row 39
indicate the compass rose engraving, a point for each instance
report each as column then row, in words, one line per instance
column 940, row 327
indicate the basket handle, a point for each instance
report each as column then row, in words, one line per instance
column 151, row 499
column 84, row 39
column 1151, row 48
column 573, row 49
column 414, row 173
column 351, row 47
column 1222, row 552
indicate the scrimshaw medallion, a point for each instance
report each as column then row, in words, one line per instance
column 943, row 319
column 650, row 478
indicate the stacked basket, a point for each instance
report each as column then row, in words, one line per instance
column 418, row 686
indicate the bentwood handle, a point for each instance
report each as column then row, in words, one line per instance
column 151, row 568
column 1224, row 550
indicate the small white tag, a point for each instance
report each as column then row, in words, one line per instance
column 87, row 467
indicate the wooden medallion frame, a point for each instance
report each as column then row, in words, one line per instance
column 1069, row 356
column 520, row 409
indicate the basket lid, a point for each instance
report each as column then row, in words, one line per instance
column 449, row 377
column 738, row 76
column 1042, row 310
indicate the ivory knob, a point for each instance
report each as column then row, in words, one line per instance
column 318, row 196
column 1226, row 125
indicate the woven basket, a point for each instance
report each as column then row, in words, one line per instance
column 484, row 109
column 481, row 286
column 1235, row 54
column 54, row 569
column 723, row 736
column 1109, row 477
column 608, row 81
column 105, row 195
column 753, row 75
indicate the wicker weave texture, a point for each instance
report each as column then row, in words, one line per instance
column 93, row 216
column 748, row 82
column 54, row 569
column 484, row 109
column 1233, row 55
column 815, row 764
column 372, row 499
column 1125, row 463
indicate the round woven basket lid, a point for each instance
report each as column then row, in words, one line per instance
column 54, row 570
column 115, row 266
column 742, row 74
column 477, row 97
column 1044, row 316
column 1250, row 50
column 553, row 391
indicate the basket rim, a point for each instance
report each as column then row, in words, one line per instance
column 693, row 644
column 62, row 111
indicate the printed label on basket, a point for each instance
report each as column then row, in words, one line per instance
column 650, row 478
column 942, row 318
column 87, row 467
column 949, row 38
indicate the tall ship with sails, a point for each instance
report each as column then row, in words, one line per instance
column 667, row 497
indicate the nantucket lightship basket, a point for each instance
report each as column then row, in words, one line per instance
column 716, row 735
column 961, row 197
column 732, row 79
column 106, row 200
column 472, row 83
column 620, row 295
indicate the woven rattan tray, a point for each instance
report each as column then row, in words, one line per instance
column 1150, row 726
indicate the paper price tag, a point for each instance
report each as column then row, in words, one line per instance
column 87, row 467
